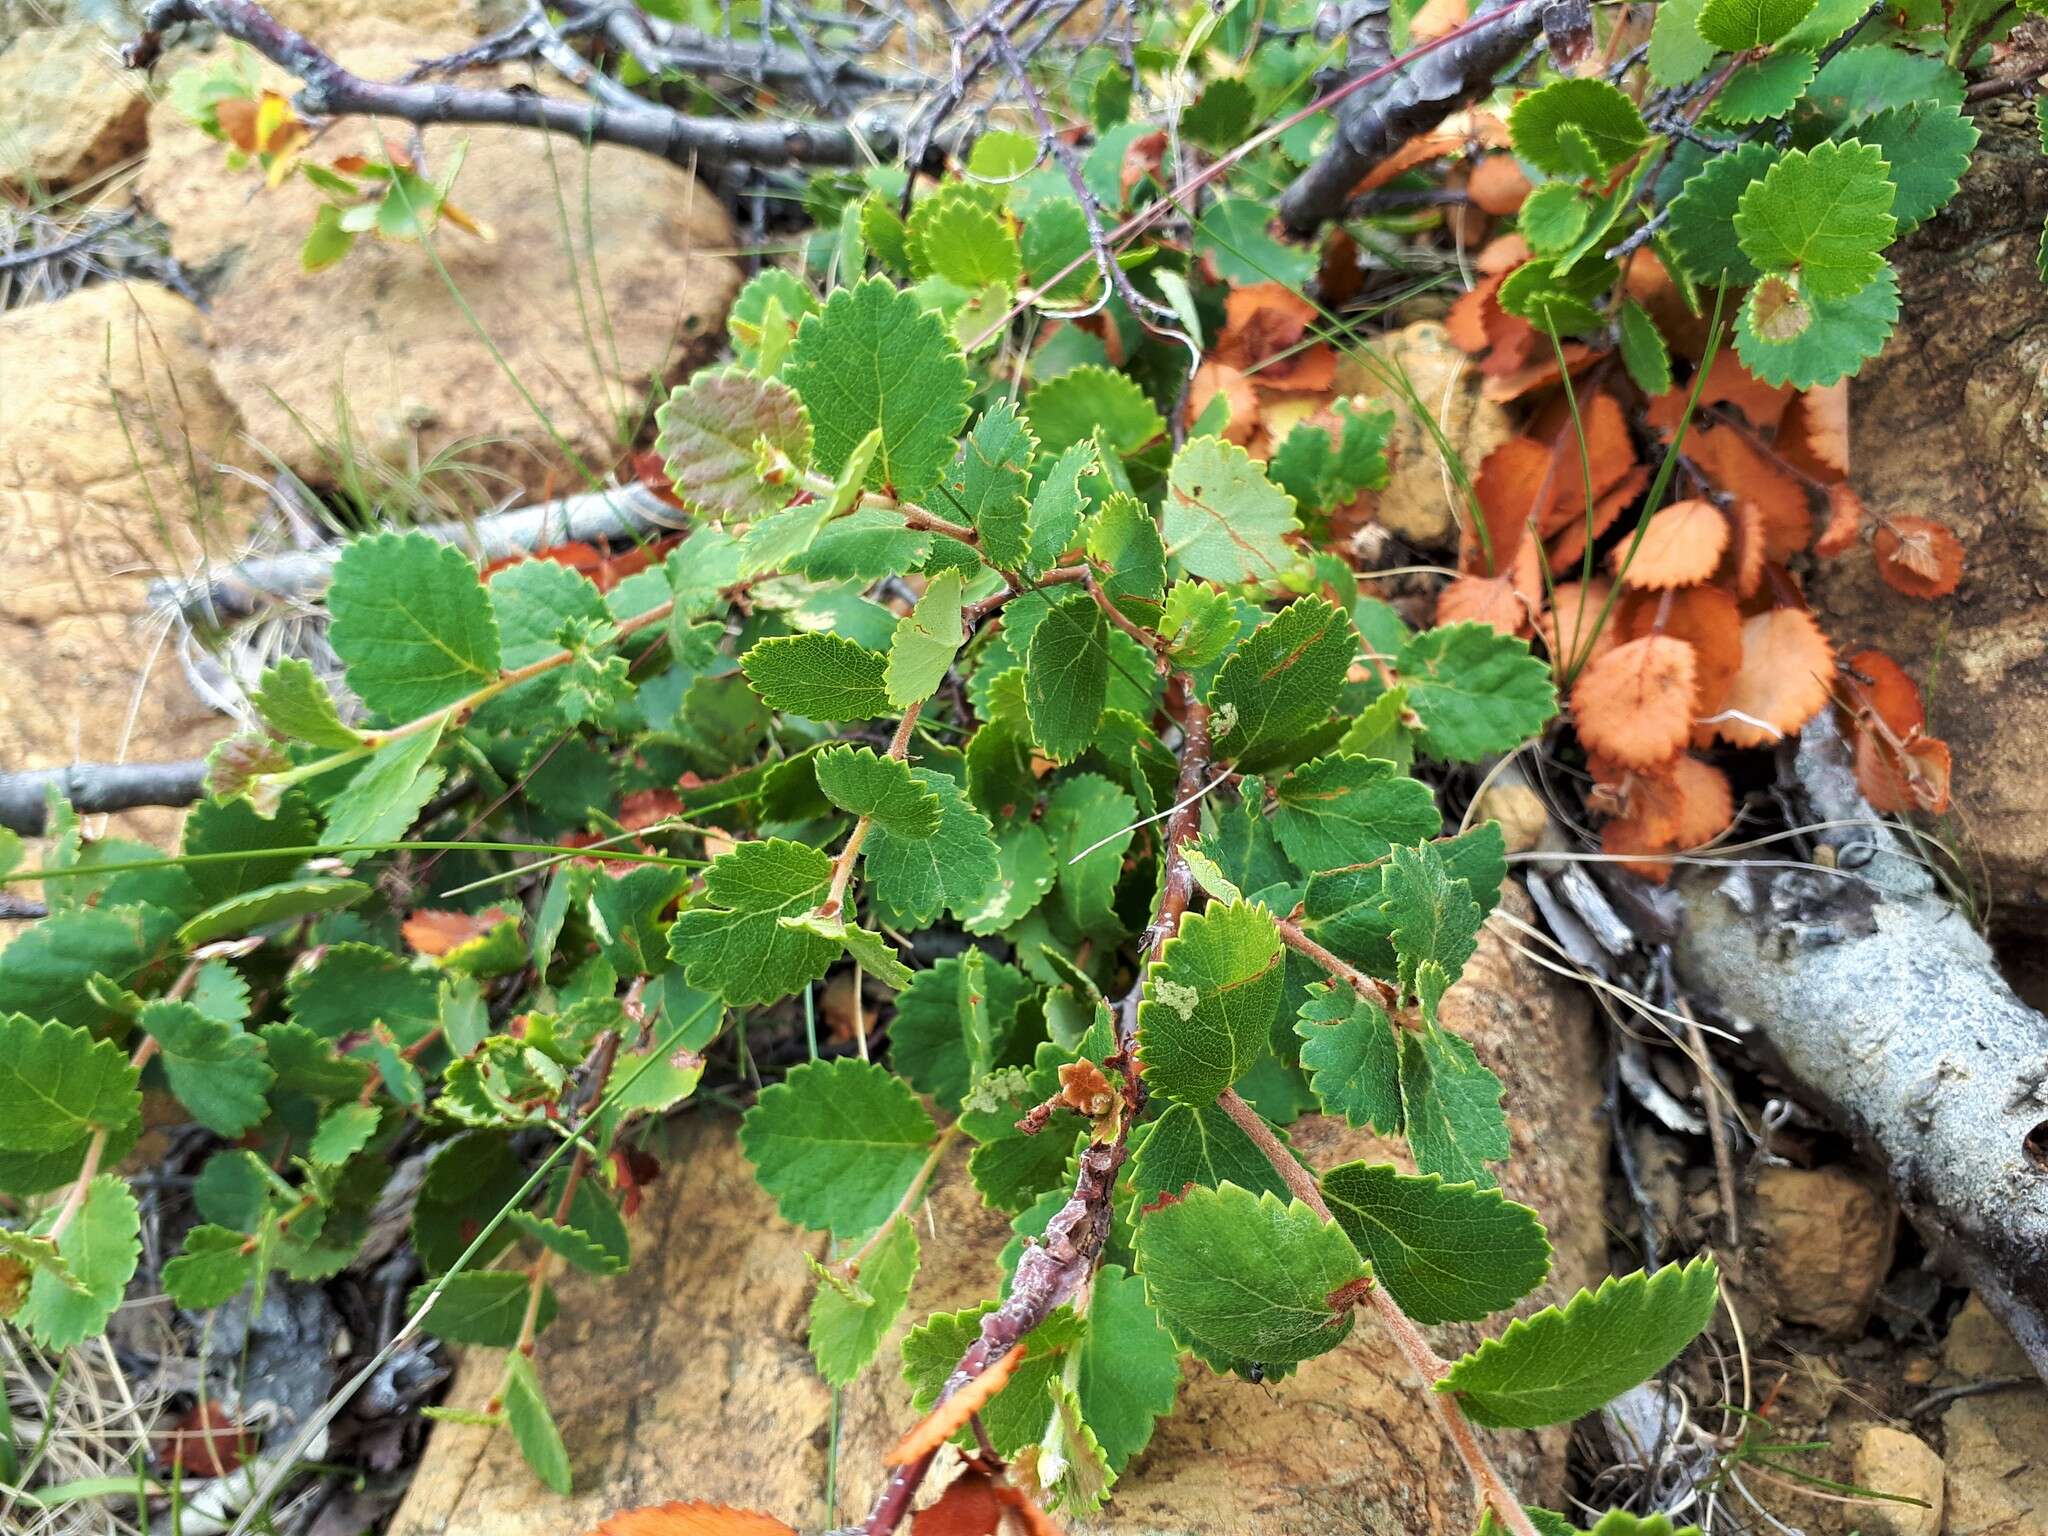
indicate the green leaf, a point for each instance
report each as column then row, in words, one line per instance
column 730, row 443
column 737, row 947
column 526, row 1412
column 926, row 640
column 1476, row 690
column 45, row 971
column 387, row 793
column 1736, row 26
column 269, row 904
column 1768, row 88
column 211, row 1268
column 872, row 952
column 819, row 676
column 482, row 1307
column 1055, row 238
column 99, row 1249
column 1069, row 410
column 306, row 1064
column 1451, row 1107
column 865, row 783
column 1351, row 1051
column 1235, row 233
column 351, row 986
column 1435, row 922
column 1209, row 1001
column 1702, row 223
column 1448, row 1253
column 992, row 483
column 293, row 701
column 1017, row 1415
column 1223, row 519
column 1066, row 677
column 58, row 1085
column 1341, row 809
column 847, row 1330
column 1054, row 517
column 1576, row 128
column 411, row 624
column 1643, row 350
column 1247, row 1277
column 968, row 244
column 1824, row 214
column 912, row 879
column 1839, row 337
column 837, row 1144
column 1082, row 813
column 1129, row 1367
column 1928, row 148
column 874, row 357
column 1559, row 1364
column 1199, row 622
column 218, row 1071
column 1282, row 678
column 1552, row 216
column 343, row 1132
column 1198, row 1144
column 1678, row 54
column 570, row 1243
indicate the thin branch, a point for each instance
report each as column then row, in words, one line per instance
column 1414, row 100
column 1493, row 1490
column 93, row 788
column 1053, row 1269
column 332, row 91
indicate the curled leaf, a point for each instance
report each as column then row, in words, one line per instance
column 1918, row 556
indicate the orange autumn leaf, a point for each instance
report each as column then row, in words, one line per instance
column 1815, row 432
column 940, row 1425
column 1419, row 150
column 1731, row 460
column 1876, row 684
column 1681, row 809
column 1706, row 803
column 1576, row 612
column 1213, row 379
column 1515, row 486
column 1706, row 618
column 643, row 808
column 1501, row 255
column 1899, row 776
column 1626, row 840
column 431, row 932
column 968, row 1507
column 1264, row 326
column 1609, row 453
column 1035, row 1521
column 1727, row 383
column 1845, row 521
column 1569, row 545
column 1918, row 557
column 1436, row 18
column 1466, row 322
column 1498, row 185
column 1680, row 547
column 698, row 1517
column 1634, row 704
column 1488, row 600
column 1512, row 384
column 1787, row 666
column 1143, row 157
column 1742, row 563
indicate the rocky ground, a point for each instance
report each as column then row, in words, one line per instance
column 128, row 409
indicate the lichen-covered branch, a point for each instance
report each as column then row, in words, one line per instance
column 1880, row 1000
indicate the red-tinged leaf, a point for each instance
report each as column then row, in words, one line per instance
column 698, row 1517
column 1727, row 383
column 1143, row 157
column 432, row 932
column 1501, row 255
column 1845, row 521
column 1424, row 147
column 1504, row 387
column 1814, row 434
column 1680, row 547
column 1875, row 684
column 237, row 119
column 644, row 808
column 1918, row 557
column 1516, row 484
column 1497, row 186
column 1466, row 323
column 1264, row 326
column 1489, row 600
column 205, row 1441
column 1035, row 1521
column 1731, row 460
column 1634, row 704
column 968, row 1507
column 944, row 1421
column 1902, row 775
column 1241, row 426
column 1787, row 667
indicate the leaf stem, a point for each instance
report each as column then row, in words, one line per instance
column 1365, row 986
column 602, row 1060
column 850, row 1265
